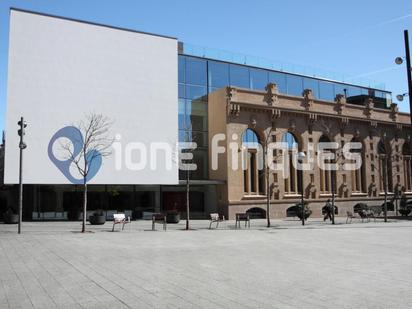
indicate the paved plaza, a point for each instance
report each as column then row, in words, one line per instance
column 358, row 265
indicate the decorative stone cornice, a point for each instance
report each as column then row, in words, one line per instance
column 272, row 94
column 308, row 98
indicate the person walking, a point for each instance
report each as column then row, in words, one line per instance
column 328, row 210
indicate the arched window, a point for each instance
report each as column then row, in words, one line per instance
column 406, row 152
column 385, row 167
column 293, row 183
column 327, row 183
column 358, row 176
column 253, row 176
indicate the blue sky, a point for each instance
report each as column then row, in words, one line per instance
column 353, row 38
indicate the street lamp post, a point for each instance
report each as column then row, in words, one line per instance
column 333, row 196
column 301, row 157
column 187, row 187
column 385, row 184
column 22, row 124
column 399, row 60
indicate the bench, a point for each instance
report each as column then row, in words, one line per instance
column 215, row 218
column 349, row 216
column 159, row 218
column 120, row 219
column 363, row 215
column 242, row 217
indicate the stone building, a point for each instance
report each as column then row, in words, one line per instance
column 270, row 116
column 217, row 92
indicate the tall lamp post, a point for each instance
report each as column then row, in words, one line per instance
column 385, row 184
column 187, row 138
column 301, row 157
column 399, row 60
column 22, row 124
column 267, row 178
column 333, row 195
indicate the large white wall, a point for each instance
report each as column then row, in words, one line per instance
column 59, row 70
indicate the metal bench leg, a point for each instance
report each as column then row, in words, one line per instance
column 210, row 224
column 123, row 225
column 217, row 224
column 113, row 226
column 153, row 225
column 165, row 226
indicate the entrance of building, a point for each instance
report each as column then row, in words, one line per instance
column 176, row 200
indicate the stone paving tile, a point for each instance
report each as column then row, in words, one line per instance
column 357, row 265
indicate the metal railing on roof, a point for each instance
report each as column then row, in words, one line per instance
column 264, row 63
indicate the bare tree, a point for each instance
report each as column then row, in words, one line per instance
column 267, row 178
column 96, row 143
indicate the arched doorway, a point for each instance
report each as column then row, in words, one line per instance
column 293, row 181
column 406, row 153
column 385, row 167
column 256, row 213
column 253, row 174
column 327, row 177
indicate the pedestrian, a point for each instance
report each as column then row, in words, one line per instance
column 328, row 210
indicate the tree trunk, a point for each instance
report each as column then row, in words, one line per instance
column 267, row 196
column 84, row 207
column 187, row 201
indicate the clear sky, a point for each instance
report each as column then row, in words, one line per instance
column 354, row 38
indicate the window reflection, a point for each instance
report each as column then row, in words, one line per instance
column 181, row 72
column 258, row 79
column 195, row 92
column 326, row 91
column 239, row 76
column 218, row 74
column 312, row 84
column 295, row 85
column 279, row 79
column 196, row 71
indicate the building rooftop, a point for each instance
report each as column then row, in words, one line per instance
column 276, row 65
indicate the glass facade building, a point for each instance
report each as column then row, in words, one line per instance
column 199, row 76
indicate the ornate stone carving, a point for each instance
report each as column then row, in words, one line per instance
column 344, row 189
column 368, row 103
column 275, row 115
column 234, row 109
column 373, row 189
column 230, row 93
column 271, row 94
column 307, row 98
column 253, row 121
column 292, row 125
column 398, row 131
column 356, row 134
column 344, row 121
column 340, row 103
column 394, row 111
column 325, row 127
column 311, row 121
